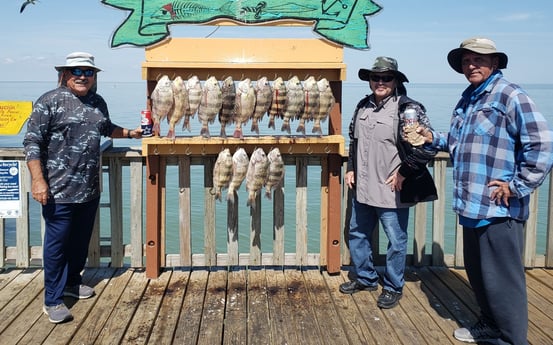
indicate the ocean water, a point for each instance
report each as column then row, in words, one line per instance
column 126, row 100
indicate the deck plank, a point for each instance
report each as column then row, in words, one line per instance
column 188, row 324
column 254, row 306
column 213, row 316
column 147, row 307
column 235, row 330
column 278, row 303
column 169, row 312
column 324, row 309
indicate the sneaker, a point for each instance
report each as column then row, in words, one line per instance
column 388, row 299
column 57, row 313
column 354, row 286
column 78, row 291
column 480, row 331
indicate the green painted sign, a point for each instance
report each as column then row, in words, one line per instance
column 340, row 21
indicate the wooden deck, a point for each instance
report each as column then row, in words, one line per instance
column 253, row 306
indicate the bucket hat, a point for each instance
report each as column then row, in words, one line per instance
column 383, row 64
column 78, row 59
column 477, row 45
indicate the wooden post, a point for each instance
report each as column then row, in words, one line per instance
column 153, row 216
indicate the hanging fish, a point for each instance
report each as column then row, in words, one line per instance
column 263, row 98
column 256, row 174
column 222, row 172
column 311, row 103
column 277, row 102
column 210, row 104
column 193, row 88
column 326, row 102
column 162, row 102
column 243, row 106
column 240, row 162
column 276, row 172
column 180, row 104
column 295, row 101
column 226, row 114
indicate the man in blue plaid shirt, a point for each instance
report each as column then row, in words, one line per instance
column 501, row 148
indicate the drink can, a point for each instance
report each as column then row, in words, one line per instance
column 410, row 117
column 146, row 123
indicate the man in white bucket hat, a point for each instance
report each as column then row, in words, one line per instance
column 62, row 150
column 502, row 150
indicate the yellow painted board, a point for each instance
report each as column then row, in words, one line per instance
column 13, row 115
column 250, row 50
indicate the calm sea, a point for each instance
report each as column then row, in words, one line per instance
column 126, row 100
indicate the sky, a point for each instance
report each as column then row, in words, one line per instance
column 418, row 33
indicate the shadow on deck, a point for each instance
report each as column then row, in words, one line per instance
column 253, row 306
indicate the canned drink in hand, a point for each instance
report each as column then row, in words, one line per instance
column 410, row 117
column 146, row 123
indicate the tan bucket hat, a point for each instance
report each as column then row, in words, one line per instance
column 477, row 45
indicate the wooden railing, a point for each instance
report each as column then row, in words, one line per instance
column 119, row 238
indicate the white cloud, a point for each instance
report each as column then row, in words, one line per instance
column 516, row 17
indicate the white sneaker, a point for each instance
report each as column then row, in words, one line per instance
column 480, row 331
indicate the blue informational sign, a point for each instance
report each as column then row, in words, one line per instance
column 10, row 189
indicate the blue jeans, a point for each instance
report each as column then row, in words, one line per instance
column 66, row 239
column 364, row 219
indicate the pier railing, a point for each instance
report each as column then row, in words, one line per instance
column 269, row 234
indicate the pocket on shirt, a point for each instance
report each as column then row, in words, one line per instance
column 487, row 122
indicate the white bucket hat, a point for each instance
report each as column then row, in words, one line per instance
column 78, row 59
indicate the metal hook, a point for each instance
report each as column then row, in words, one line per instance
column 309, row 150
column 172, row 150
column 203, row 150
column 290, row 149
column 188, row 152
column 327, row 149
column 156, row 151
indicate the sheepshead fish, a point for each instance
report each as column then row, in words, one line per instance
column 210, row 104
column 226, row 114
column 276, row 172
column 326, row 102
column 295, row 101
column 162, row 102
column 243, row 106
column 277, row 103
column 193, row 88
column 180, row 104
column 311, row 103
column 256, row 174
column 222, row 172
column 263, row 98
column 240, row 162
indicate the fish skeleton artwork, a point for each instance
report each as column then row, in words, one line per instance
column 340, row 21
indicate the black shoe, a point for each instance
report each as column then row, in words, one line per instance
column 388, row 299
column 354, row 286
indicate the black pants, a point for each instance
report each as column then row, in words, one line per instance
column 493, row 261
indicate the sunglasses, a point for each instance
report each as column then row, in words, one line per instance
column 79, row 72
column 384, row 78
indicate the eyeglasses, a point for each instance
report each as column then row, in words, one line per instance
column 385, row 78
column 79, row 72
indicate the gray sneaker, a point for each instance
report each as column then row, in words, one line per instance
column 78, row 291
column 480, row 331
column 57, row 313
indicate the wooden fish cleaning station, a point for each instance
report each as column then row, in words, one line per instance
column 245, row 58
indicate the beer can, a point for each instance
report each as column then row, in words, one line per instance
column 146, row 123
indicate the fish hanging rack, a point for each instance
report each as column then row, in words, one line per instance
column 246, row 58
